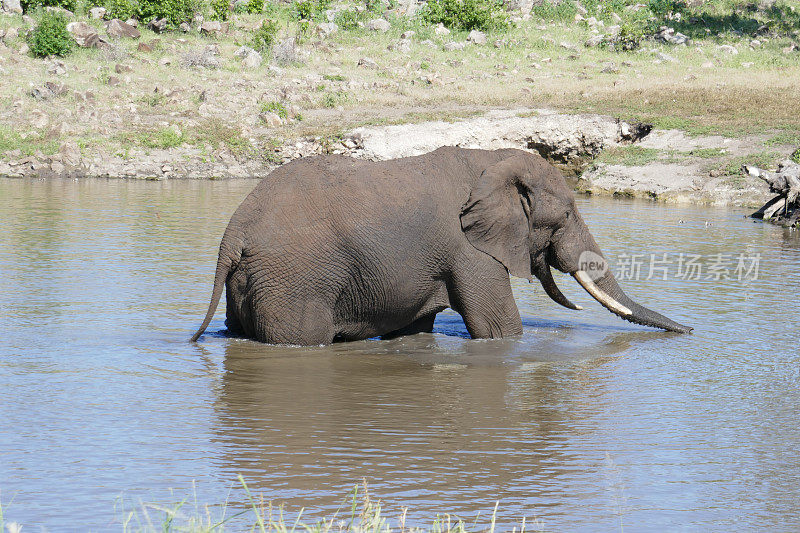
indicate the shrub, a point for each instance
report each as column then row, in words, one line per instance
column 220, row 9
column 467, row 14
column 175, row 11
column 264, row 37
column 29, row 5
column 275, row 107
column 796, row 156
column 309, row 9
column 254, row 7
column 50, row 36
column 347, row 19
column 119, row 9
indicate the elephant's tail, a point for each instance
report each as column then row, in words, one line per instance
column 226, row 260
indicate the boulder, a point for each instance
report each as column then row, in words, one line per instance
column 158, row 25
column 252, row 60
column 185, row 27
column 12, row 6
column 441, row 30
column 57, row 67
column 366, row 62
column 327, row 28
column 594, row 41
column 211, row 26
column 84, row 34
column 118, row 29
column 97, row 12
column 476, row 37
column 454, row 46
column 381, row 25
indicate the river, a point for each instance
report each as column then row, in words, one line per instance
column 585, row 422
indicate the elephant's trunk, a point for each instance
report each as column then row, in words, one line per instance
column 606, row 291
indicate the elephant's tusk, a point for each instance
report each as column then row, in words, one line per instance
column 550, row 287
column 607, row 301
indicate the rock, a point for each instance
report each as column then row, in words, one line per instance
column 158, row 25
column 145, row 47
column 242, row 51
column 11, row 33
column 476, row 37
column 57, row 67
column 408, row 34
column 568, row 140
column 669, row 35
column 132, row 22
column 454, row 46
column 568, row 46
column 666, row 57
column 185, row 27
column 367, row 62
column 12, row 6
column 728, row 49
column 24, row 49
column 270, row 119
column 70, row 154
column 610, row 68
column 97, row 12
column 118, row 29
column 327, row 28
column 114, row 81
column 707, row 64
column 789, row 49
column 211, row 26
column 403, row 45
column 252, row 60
column 84, row 34
column 381, row 25
column 755, row 43
column 594, row 41
column 119, row 68
column 441, row 30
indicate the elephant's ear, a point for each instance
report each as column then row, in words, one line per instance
column 495, row 218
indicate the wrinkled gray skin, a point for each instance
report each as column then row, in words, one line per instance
column 330, row 248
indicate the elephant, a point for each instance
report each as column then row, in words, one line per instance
column 329, row 248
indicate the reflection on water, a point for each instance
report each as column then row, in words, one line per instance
column 586, row 422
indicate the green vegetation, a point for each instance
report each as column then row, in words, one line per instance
column 264, row 37
column 175, row 11
column 220, row 9
column 309, row 9
column 796, row 156
column 333, row 77
column 30, row 5
column 119, row 9
column 275, row 107
column 785, row 137
column 163, row 139
column 467, row 15
column 630, row 156
column 254, row 7
column 50, row 36
column 348, row 19
column 707, row 153
column 765, row 159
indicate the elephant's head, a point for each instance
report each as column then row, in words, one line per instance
column 521, row 212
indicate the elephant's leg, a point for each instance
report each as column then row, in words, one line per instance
column 232, row 321
column 304, row 323
column 421, row 325
column 480, row 291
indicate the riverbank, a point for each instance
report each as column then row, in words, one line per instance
column 189, row 104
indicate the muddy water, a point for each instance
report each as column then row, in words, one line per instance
column 585, row 422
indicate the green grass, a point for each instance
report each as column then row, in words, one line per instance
column 708, row 153
column 28, row 144
column 765, row 159
column 163, row 139
column 785, row 138
column 629, row 156
column 358, row 513
column 275, row 107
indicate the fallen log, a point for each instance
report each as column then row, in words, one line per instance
column 784, row 208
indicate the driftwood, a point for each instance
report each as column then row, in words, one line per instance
column 784, row 208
